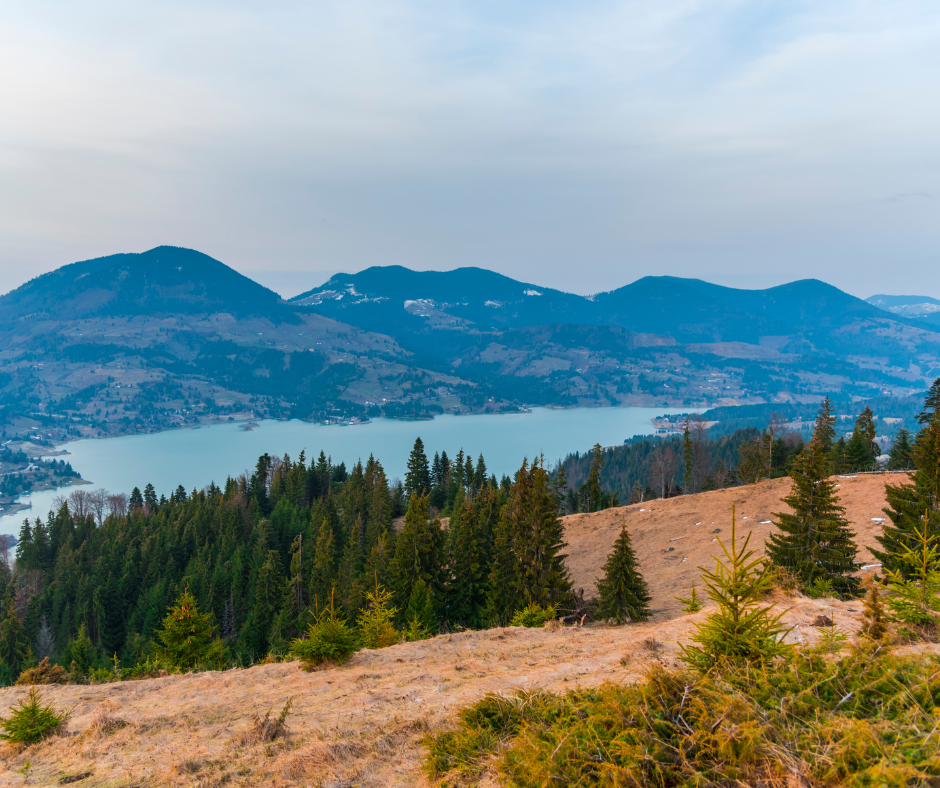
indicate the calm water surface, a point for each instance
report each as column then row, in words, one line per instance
column 195, row 457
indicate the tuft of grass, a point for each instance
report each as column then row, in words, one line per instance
column 866, row 719
column 31, row 721
column 267, row 728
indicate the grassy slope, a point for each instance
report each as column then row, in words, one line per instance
column 364, row 723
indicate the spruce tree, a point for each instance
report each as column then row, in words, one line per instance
column 900, row 456
column 909, row 501
column 623, row 591
column 741, row 629
column 186, row 633
column 14, row 648
column 537, row 538
column 322, row 577
column 595, row 494
column 418, row 477
column 418, row 551
column 814, row 541
column 825, row 430
column 931, row 411
column 419, row 612
column 466, row 585
column 688, row 458
column 857, row 454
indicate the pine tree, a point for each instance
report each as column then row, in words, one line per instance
column 186, row 633
column 595, row 494
column 915, row 597
column 623, row 591
column 814, row 541
column 418, row 551
column 740, row 630
column 857, row 454
column 901, row 455
column 931, row 411
column 907, row 502
column 14, row 648
column 419, row 612
column 322, row 578
column 418, row 477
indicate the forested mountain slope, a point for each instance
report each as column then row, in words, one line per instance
column 141, row 342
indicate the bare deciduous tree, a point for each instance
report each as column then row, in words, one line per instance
column 663, row 468
column 117, row 505
column 79, row 505
column 97, row 504
column 6, row 544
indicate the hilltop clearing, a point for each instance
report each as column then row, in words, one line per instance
column 363, row 723
column 675, row 536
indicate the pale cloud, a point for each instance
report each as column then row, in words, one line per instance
column 580, row 146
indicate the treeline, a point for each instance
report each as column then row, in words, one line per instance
column 694, row 461
column 265, row 554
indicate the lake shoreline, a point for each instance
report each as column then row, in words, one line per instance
column 196, row 455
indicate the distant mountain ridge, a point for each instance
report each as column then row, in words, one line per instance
column 690, row 310
column 171, row 336
column 166, row 279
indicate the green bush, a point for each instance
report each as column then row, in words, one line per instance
column 534, row 616
column 31, row 721
column 328, row 639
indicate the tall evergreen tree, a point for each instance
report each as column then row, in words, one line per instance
column 418, row 477
column 931, row 411
column 901, row 456
column 418, row 551
column 623, row 591
column 595, row 493
column 814, row 541
column 909, row 501
column 14, row 647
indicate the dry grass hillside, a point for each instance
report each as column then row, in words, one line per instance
column 362, row 724
column 675, row 536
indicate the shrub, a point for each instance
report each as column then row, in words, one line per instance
column 44, row 673
column 692, row 603
column 375, row 626
column 820, row 588
column 867, row 719
column 30, row 721
column 534, row 616
column 329, row 639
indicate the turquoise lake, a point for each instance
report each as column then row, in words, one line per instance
column 195, row 457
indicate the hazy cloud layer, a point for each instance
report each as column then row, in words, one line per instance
column 575, row 145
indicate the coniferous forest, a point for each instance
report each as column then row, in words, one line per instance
column 264, row 554
column 102, row 582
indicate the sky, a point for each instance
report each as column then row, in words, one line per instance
column 574, row 145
